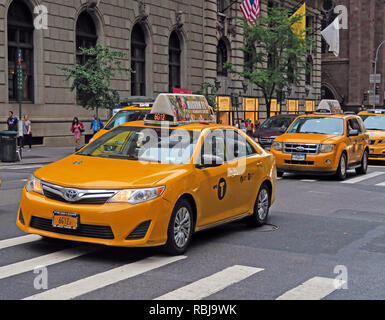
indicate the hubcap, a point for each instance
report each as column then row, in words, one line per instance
column 263, row 204
column 343, row 166
column 182, row 227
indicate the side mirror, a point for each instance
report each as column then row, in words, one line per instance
column 353, row 133
column 210, row 161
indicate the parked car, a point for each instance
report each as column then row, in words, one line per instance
column 272, row 128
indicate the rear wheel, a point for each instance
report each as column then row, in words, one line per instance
column 180, row 228
column 342, row 168
column 364, row 164
column 261, row 207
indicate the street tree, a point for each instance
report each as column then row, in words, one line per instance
column 92, row 80
column 275, row 56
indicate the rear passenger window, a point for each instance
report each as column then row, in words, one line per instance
column 237, row 146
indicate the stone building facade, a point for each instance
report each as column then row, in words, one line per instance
column 346, row 78
column 169, row 43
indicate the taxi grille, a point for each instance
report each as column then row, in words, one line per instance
column 95, row 201
column 301, row 148
column 306, row 163
column 89, row 231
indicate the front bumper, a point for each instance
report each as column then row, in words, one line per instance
column 108, row 224
column 377, row 152
column 321, row 163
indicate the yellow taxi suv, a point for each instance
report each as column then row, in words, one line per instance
column 374, row 121
column 134, row 112
column 153, row 182
column 326, row 142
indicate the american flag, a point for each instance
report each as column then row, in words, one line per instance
column 251, row 10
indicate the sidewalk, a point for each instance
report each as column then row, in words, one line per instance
column 41, row 155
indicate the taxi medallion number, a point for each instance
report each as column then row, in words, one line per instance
column 64, row 220
column 298, row 157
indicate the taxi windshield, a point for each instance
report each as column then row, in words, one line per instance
column 318, row 125
column 174, row 146
column 277, row 123
column 374, row 122
column 125, row 116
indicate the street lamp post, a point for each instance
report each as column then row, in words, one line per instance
column 375, row 72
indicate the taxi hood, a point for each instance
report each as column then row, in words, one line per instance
column 309, row 138
column 376, row 134
column 85, row 172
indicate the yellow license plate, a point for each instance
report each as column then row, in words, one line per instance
column 65, row 220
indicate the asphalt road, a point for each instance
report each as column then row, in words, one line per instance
column 326, row 230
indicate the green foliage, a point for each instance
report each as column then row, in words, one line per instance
column 276, row 55
column 92, row 80
column 208, row 90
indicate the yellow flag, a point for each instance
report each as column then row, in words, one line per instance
column 299, row 27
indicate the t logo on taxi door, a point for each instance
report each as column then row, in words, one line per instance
column 222, row 188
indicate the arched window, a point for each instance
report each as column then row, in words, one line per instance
column 20, row 37
column 221, row 58
column 138, row 61
column 86, row 35
column 174, row 62
column 309, row 71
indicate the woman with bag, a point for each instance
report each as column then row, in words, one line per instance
column 77, row 129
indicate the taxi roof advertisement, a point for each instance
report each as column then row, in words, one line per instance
column 184, row 108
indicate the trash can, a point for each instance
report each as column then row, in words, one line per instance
column 8, row 146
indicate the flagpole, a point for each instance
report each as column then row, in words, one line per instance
column 375, row 72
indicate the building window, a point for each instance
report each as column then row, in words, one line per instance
column 221, row 58
column 86, row 36
column 138, row 61
column 309, row 71
column 20, row 37
column 174, row 62
column 221, row 5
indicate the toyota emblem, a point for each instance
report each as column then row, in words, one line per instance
column 71, row 195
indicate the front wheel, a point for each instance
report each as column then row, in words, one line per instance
column 261, row 207
column 180, row 228
column 363, row 169
column 342, row 168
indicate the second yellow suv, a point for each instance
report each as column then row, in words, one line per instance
column 326, row 142
column 374, row 121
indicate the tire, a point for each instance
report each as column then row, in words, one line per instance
column 262, row 202
column 280, row 174
column 363, row 169
column 177, row 244
column 342, row 168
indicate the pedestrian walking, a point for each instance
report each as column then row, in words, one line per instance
column 249, row 127
column 77, row 129
column 27, row 132
column 12, row 122
column 96, row 124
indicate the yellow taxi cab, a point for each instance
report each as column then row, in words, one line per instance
column 134, row 112
column 326, row 142
column 153, row 182
column 374, row 121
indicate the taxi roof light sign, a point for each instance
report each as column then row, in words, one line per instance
column 179, row 109
column 329, row 107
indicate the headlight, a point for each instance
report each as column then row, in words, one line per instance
column 135, row 196
column 326, row 148
column 277, row 146
column 34, row 184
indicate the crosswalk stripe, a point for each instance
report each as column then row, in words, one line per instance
column 364, row 177
column 212, row 284
column 46, row 260
column 313, row 289
column 17, row 241
column 382, row 184
column 21, row 167
column 101, row 280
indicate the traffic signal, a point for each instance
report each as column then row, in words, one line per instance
column 377, row 89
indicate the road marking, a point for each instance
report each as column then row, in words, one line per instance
column 20, row 167
column 308, row 180
column 364, row 177
column 47, row 260
column 313, row 289
column 101, row 280
column 382, row 184
column 212, row 284
column 19, row 240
